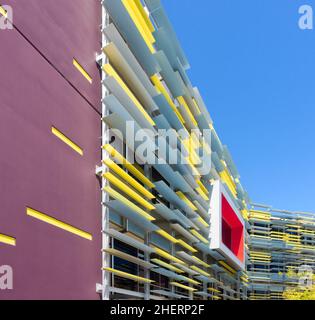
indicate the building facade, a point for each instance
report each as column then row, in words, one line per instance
column 172, row 230
column 50, row 134
column 115, row 184
column 282, row 251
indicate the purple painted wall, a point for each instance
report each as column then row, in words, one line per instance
column 62, row 30
column 36, row 168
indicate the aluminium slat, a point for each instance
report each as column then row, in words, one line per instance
column 169, row 294
column 187, row 257
column 191, row 181
column 128, row 213
column 171, row 176
column 173, row 198
column 164, row 43
column 186, row 269
column 128, row 240
column 120, row 64
column 186, row 172
column 113, row 35
column 203, row 294
column 167, row 273
column 185, row 233
column 188, row 121
column 129, row 258
column 204, row 248
column 203, row 124
column 202, row 106
column 228, row 159
column 216, row 161
column 206, row 279
column 115, row 121
column 165, row 212
column 162, row 20
column 156, row 298
column 116, row 107
column 132, row 35
column 205, row 204
column 126, row 292
column 190, row 102
column 113, row 86
column 202, row 210
column 162, row 123
column 205, row 230
column 169, row 114
column 216, row 145
column 171, row 77
column 183, row 220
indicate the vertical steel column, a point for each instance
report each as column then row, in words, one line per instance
column 238, row 285
column 172, row 288
column 105, row 213
column 204, row 284
column 147, row 242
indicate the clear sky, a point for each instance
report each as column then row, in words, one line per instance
column 256, row 72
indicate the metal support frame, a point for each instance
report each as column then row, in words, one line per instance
column 106, row 261
column 147, row 254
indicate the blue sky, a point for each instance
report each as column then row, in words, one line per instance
column 256, row 72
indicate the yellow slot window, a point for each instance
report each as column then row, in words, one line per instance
column 78, row 66
column 57, row 223
column 7, row 240
column 67, row 141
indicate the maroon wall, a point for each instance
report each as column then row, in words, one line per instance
column 40, row 88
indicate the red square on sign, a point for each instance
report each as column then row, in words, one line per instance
column 232, row 230
column 227, row 229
